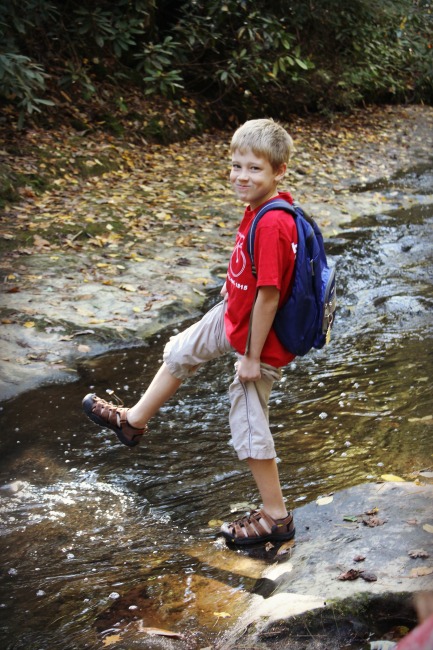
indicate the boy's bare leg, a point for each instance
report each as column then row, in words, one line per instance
column 265, row 473
column 163, row 386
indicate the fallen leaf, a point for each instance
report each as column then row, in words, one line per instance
column 83, row 348
column 127, row 287
column 359, row 558
column 156, row 631
column 373, row 511
column 29, row 323
column 109, row 640
column 284, row 548
column 351, row 518
column 40, row 242
column 372, row 522
column 420, row 571
column 419, row 552
column 221, row 614
column 323, row 501
column 215, row 523
column 392, row 478
column 351, row 574
column 268, row 547
column 428, row 528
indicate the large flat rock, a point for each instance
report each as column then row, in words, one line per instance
column 328, row 544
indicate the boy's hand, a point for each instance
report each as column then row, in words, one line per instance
column 223, row 291
column 248, row 369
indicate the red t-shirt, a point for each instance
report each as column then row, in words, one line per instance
column 274, row 255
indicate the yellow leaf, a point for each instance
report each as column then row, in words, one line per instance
column 29, row 323
column 221, row 614
column 284, row 548
column 215, row 523
column 221, row 224
column 323, row 501
column 392, row 478
column 137, row 310
column 200, row 280
column 428, row 528
column 66, row 96
column 11, row 276
column 102, row 265
column 109, row 226
column 421, row 571
column 109, row 640
column 127, row 287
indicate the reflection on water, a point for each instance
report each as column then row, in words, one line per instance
column 99, row 540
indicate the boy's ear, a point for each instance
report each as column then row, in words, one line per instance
column 281, row 172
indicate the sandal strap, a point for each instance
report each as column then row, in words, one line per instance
column 107, row 411
column 256, row 524
column 110, row 412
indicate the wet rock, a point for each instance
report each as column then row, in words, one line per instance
column 304, row 597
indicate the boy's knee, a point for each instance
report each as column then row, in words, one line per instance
column 178, row 363
column 179, row 369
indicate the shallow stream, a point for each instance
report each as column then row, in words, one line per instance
column 100, row 542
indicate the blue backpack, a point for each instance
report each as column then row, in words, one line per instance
column 305, row 320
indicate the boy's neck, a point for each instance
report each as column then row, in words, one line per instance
column 274, row 195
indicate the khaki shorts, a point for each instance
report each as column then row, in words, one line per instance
column 186, row 352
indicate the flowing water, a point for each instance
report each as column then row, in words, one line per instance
column 100, row 542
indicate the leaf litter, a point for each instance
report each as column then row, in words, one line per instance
column 115, row 213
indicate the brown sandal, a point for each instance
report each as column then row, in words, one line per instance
column 114, row 417
column 259, row 527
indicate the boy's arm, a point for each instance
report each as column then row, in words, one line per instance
column 264, row 310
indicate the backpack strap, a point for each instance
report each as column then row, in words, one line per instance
column 276, row 204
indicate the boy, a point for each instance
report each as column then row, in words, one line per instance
column 241, row 323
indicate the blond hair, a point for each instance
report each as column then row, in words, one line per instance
column 266, row 139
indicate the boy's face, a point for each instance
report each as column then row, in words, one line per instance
column 253, row 179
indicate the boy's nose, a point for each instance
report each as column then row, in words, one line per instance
column 243, row 174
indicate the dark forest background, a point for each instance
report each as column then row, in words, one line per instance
column 210, row 60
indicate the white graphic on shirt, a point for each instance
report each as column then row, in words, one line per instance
column 238, row 261
column 294, row 248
